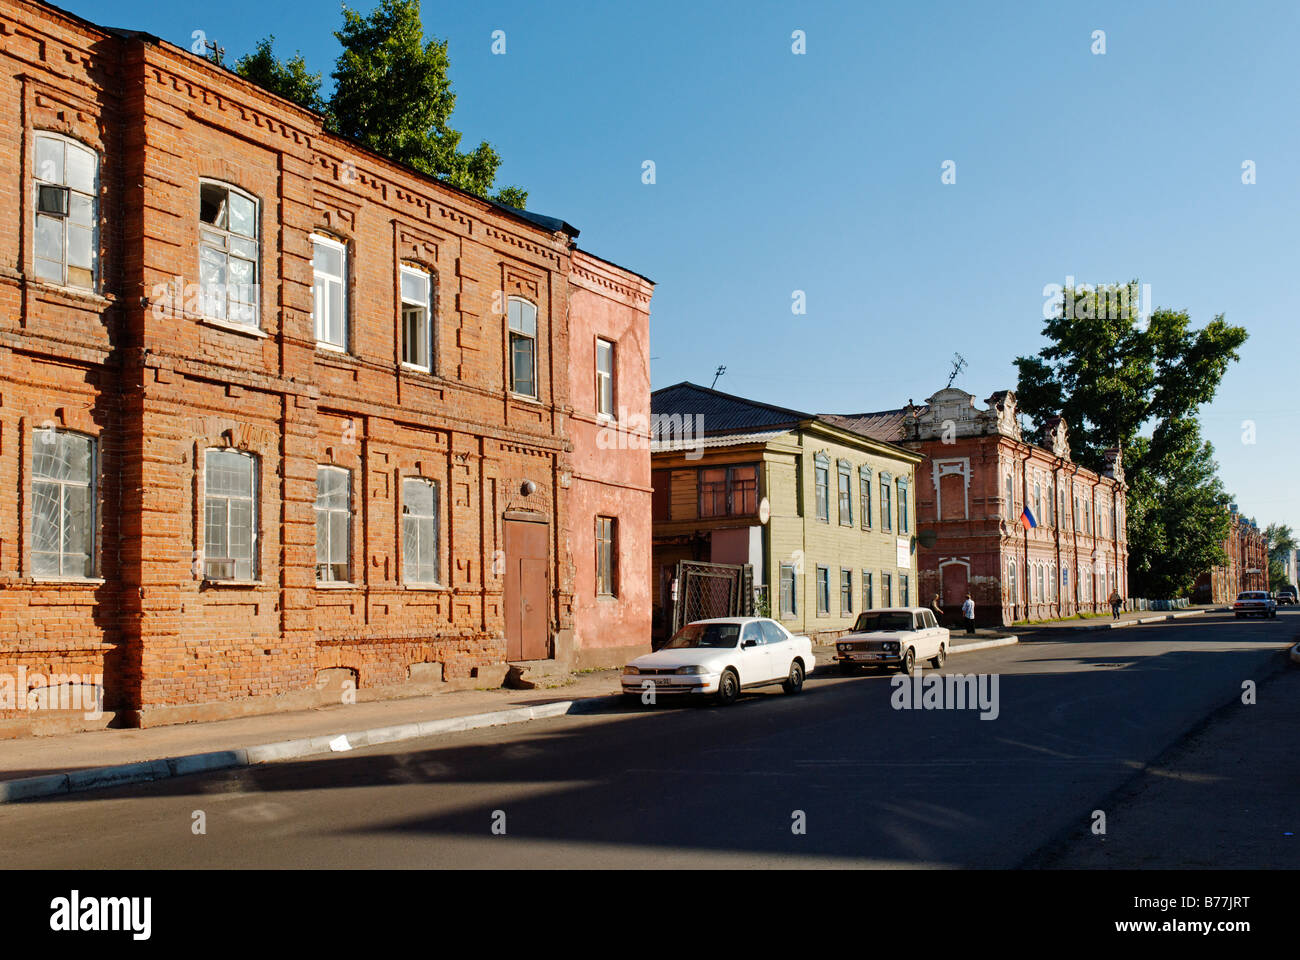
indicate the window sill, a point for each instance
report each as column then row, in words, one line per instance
column 337, row 585
column 426, row 586
column 206, row 582
column 240, row 328
column 70, row 581
column 606, row 598
column 415, row 368
column 330, row 347
column 76, row 293
column 525, row 398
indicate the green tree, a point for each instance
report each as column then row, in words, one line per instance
column 1281, row 544
column 392, row 94
column 289, row 79
column 1112, row 376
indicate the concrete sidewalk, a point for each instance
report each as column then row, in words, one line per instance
column 44, row 766
column 69, row 763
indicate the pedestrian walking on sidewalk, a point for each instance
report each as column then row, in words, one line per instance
column 1116, row 601
column 968, row 614
column 937, row 609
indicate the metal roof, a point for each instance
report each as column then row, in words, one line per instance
column 886, row 425
column 722, row 412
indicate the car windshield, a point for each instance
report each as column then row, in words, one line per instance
column 883, row 620
column 705, row 635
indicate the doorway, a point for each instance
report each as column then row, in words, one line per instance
column 527, row 590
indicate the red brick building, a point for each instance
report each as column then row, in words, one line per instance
column 1246, row 567
column 278, row 416
column 978, row 476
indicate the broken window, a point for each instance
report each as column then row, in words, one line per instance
column 228, row 254
column 67, row 212
column 63, row 504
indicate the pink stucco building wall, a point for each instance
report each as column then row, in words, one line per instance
column 611, row 460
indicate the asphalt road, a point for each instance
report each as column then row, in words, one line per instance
column 1077, row 722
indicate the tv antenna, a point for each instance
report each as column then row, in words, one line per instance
column 958, row 365
column 717, row 373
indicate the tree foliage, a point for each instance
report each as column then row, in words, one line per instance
column 289, row 79
column 391, row 94
column 1111, row 376
column 1281, row 544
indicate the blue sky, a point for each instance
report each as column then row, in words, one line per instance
column 822, row 172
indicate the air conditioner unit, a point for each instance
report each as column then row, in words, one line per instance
column 52, row 200
column 219, row 569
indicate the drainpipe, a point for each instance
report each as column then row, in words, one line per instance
column 1055, row 494
column 1024, row 484
column 1074, row 536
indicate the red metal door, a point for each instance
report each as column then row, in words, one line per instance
column 527, row 591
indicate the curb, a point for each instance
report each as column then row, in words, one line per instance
column 1046, row 631
column 49, row 785
column 981, row 645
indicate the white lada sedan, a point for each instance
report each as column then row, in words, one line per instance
column 720, row 658
column 896, row 637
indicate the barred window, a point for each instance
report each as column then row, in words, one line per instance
column 63, row 504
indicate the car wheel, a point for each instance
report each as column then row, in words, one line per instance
column 937, row 660
column 909, row 661
column 794, row 683
column 728, row 688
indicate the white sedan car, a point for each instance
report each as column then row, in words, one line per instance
column 722, row 657
column 895, row 637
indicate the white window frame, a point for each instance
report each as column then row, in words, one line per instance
column 514, row 331
column 606, row 380
column 228, row 245
column 65, row 220
column 252, row 498
column 324, row 278
column 424, row 337
column 434, row 522
column 331, row 512
column 43, row 436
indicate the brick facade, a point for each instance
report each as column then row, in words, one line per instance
column 1246, row 567
column 977, row 478
column 141, row 367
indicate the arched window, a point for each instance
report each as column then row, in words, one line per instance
column 523, row 347
column 229, row 254
column 66, row 179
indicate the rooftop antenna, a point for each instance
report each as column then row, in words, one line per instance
column 717, row 373
column 958, row 365
column 217, row 54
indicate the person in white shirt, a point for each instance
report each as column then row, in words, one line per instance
column 968, row 613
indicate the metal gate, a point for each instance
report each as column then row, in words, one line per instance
column 705, row 590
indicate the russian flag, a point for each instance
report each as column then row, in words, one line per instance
column 1027, row 518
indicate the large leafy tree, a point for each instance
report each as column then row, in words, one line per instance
column 391, row 94
column 289, row 79
column 1281, row 544
column 1119, row 381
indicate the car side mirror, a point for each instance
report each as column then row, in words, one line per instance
column 749, row 643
